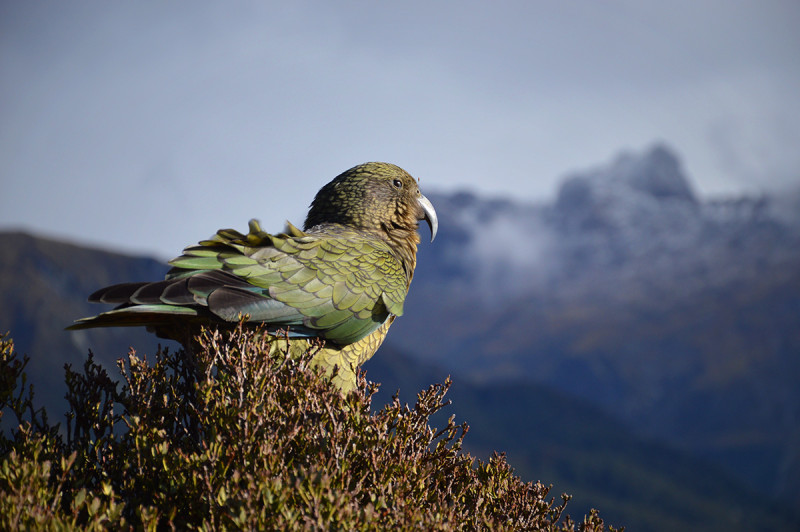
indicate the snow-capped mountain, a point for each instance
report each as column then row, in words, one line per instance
column 636, row 220
column 632, row 292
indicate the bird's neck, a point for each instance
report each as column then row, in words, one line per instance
column 403, row 241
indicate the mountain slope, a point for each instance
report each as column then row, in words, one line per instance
column 558, row 439
column 547, row 435
column 43, row 288
column 677, row 315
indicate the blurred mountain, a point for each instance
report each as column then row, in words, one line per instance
column 44, row 285
column 677, row 315
column 564, row 441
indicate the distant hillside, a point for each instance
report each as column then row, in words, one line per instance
column 43, row 288
column 564, row 441
column 547, row 435
column 678, row 315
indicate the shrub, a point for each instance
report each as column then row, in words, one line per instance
column 227, row 438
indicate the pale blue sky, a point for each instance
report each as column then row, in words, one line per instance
column 146, row 126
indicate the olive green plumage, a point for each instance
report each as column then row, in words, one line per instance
column 342, row 279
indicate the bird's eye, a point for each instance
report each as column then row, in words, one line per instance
column 397, row 184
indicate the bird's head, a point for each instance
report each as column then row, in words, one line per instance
column 377, row 197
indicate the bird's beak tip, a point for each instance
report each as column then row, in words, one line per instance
column 429, row 215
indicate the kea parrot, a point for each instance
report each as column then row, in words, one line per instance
column 342, row 279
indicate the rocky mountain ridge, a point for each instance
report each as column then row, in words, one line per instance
column 629, row 291
column 636, row 219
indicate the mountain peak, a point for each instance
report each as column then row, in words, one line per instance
column 657, row 172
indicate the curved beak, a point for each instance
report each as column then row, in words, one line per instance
column 429, row 215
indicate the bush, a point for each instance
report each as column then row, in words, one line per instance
column 229, row 439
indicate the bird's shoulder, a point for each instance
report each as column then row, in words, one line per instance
column 328, row 241
column 333, row 245
column 332, row 258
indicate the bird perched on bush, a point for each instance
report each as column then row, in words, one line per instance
column 342, row 279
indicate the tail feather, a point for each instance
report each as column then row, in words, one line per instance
column 118, row 293
column 141, row 316
column 152, row 293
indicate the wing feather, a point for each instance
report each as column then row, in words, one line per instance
column 335, row 282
